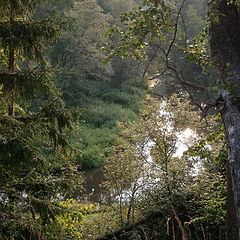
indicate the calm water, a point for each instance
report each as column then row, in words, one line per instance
column 93, row 186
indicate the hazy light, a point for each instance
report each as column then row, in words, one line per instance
column 185, row 140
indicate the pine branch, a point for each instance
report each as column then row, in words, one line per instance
column 29, row 37
column 27, row 83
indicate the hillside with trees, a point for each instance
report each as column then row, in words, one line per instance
column 119, row 119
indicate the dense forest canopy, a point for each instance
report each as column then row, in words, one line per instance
column 142, row 93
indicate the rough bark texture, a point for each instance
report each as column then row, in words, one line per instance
column 225, row 49
column 225, row 34
column 232, row 231
column 231, row 118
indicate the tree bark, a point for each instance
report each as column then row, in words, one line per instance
column 231, row 118
column 232, row 229
column 224, row 34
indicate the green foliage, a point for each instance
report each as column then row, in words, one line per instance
column 169, row 37
column 190, row 187
column 72, row 219
column 27, row 37
column 27, row 84
column 38, row 168
column 98, row 130
column 101, row 114
column 18, row 8
column 36, row 164
column 195, row 19
column 105, row 5
column 101, row 104
column 85, row 220
column 94, row 144
column 103, row 93
column 80, row 44
column 198, row 50
column 145, row 24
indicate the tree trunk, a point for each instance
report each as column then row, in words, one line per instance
column 224, row 34
column 232, row 229
column 231, row 118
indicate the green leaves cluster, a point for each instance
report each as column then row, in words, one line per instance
column 36, row 162
column 146, row 24
column 191, row 185
column 104, row 93
column 72, row 219
column 197, row 51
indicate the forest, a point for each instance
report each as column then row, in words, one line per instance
column 119, row 120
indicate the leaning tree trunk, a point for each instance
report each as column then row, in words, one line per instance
column 231, row 118
column 224, row 34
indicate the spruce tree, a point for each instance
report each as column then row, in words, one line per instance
column 33, row 169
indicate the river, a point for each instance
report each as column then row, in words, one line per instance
column 95, row 177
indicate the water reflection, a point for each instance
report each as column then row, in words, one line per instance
column 93, row 185
column 149, row 178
